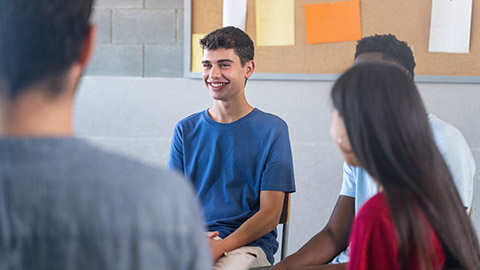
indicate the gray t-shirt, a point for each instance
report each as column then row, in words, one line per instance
column 67, row 205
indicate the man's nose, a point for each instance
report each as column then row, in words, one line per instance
column 215, row 72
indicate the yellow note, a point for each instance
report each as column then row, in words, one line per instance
column 275, row 21
column 197, row 53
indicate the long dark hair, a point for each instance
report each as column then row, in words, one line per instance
column 388, row 129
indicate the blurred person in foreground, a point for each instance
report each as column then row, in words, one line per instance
column 65, row 204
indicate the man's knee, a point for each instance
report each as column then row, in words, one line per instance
column 242, row 258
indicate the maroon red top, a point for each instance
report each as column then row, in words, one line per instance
column 374, row 243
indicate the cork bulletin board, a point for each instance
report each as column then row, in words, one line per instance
column 409, row 20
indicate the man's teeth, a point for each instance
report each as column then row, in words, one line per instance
column 218, row 84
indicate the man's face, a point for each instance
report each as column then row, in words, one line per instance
column 224, row 75
column 368, row 58
column 378, row 57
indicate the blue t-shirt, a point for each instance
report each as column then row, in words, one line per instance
column 229, row 164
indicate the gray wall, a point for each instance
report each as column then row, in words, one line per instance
column 124, row 106
column 136, row 116
column 141, row 38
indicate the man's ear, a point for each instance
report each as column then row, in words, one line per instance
column 249, row 68
column 87, row 46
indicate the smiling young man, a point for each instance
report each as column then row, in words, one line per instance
column 238, row 157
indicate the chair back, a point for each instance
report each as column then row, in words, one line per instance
column 285, row 209
column 284, row 218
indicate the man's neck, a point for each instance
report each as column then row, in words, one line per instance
column 34, row 114
column 225, row 112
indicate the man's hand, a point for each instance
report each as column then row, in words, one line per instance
column 211, row 234
column 217, row 248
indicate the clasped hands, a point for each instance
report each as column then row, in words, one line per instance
column 217, row 246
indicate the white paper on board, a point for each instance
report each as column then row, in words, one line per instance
column 234, row 13
column 450, row 26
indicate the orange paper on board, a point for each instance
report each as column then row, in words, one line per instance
column 333, row 22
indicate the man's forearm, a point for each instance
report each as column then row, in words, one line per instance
column 329, row 242
column 321, row 249
column 261, row 223
column 252, row 229
column 258, row 225
column 255, row 227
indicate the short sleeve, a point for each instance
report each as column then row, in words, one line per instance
column 175, row 158
column 349, row 182
column 457, row 154
column 459, row 159
column 278, row 173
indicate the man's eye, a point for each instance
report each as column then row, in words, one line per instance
column 206, row 65
column 224, row 65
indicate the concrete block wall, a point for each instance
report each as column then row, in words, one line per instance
column 138, row 38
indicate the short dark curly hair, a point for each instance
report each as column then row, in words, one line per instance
column 230, row 38
column 391, row 47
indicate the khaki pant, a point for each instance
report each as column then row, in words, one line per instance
column 242, row 258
